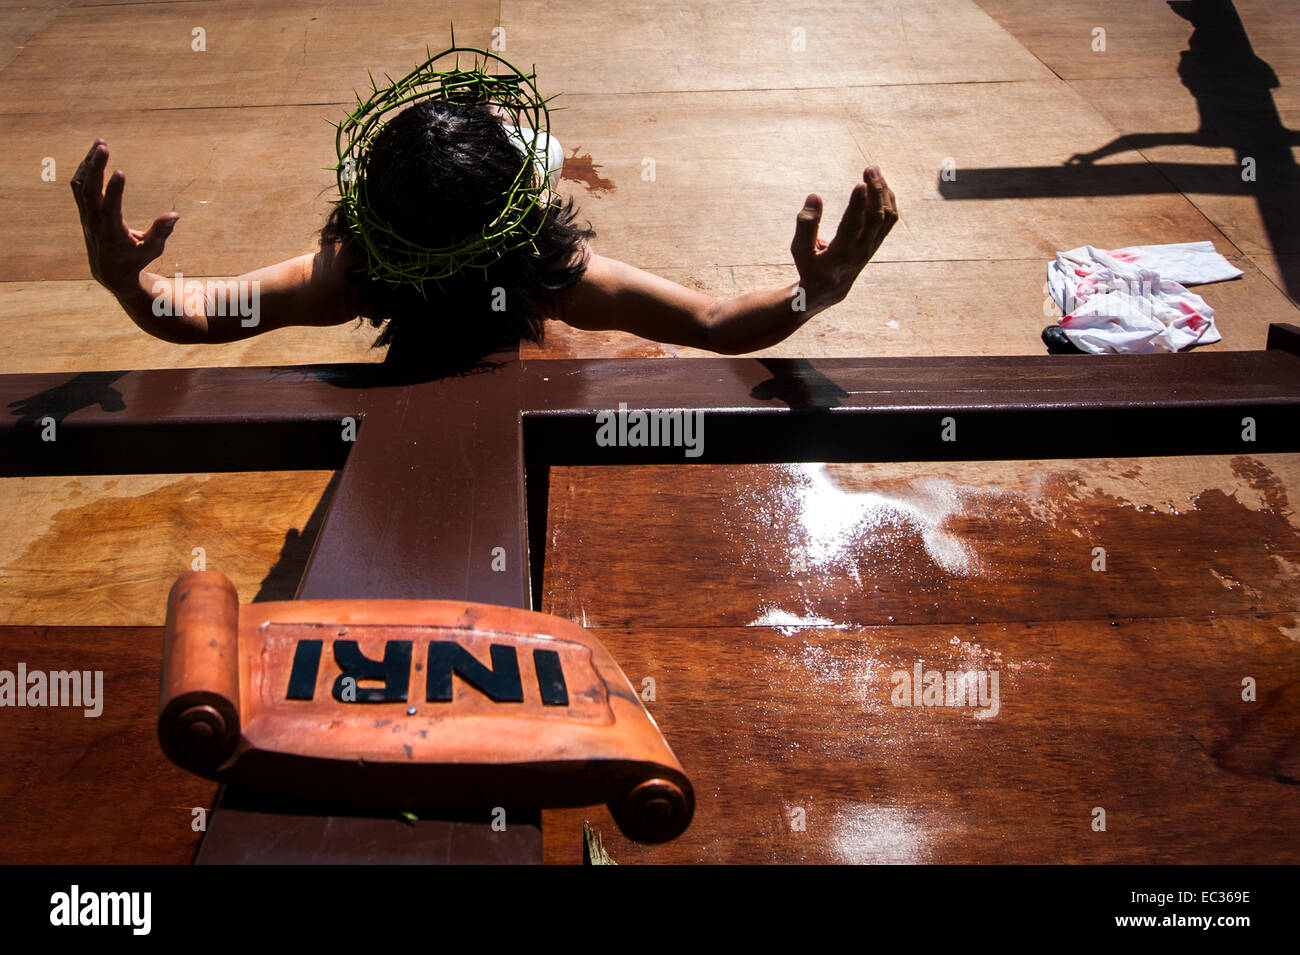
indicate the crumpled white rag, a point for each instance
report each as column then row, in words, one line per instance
column 548, row 155
column 1133, row 300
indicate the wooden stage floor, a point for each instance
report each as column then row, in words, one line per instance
column 770, row 605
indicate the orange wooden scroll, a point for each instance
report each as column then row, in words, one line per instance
column 413, row 703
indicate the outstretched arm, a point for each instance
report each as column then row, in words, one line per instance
column 310, row 289
column 615, row 296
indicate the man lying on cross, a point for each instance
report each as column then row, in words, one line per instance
column 437, row 249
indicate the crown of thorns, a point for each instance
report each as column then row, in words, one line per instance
column 396, row 259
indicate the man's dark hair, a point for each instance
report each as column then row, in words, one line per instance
column 436, row 174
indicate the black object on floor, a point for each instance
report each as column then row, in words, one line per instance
column 1058, row 344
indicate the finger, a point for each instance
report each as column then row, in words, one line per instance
column 112, row 207
column 880, row 232
column 92, row 190
column 888, row 204
column 86, row 183
column 76, row 195
column 852, row 222
column 878, row 189
column 891, row 205
column 79, row 177
column 804, row 246
column 874, row 216
column 158, row 233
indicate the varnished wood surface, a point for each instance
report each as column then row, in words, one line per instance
column 960, row 543
column 1143, row 718
column 98, row 790
column 727, row 116
column 96, row 550
column 1118, row 689
column 771, row 605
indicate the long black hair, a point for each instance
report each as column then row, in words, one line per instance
column 436, row 174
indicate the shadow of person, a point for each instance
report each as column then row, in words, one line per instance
column 1233, row 89
column 81, row 391
column 796, row 382
column 281, row 581
column 406, row 363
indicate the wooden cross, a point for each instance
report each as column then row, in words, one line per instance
column 447, row 477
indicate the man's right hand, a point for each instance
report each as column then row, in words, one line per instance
column 117, row 254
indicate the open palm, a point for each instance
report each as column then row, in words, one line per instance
column 828, row 270
column 117, row 253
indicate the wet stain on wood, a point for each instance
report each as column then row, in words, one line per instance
column 839, row 545
column 582, row 169
column 773, row 605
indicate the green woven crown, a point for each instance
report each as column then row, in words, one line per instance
column 395, row 259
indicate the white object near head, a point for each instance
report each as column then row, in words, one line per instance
column 549, row 154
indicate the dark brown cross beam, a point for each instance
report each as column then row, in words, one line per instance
column 444, row 472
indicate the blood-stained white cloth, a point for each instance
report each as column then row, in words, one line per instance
column 547, row 152
column 1134, row 300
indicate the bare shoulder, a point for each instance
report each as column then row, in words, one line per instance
column 561, row 305
column 587, row 303
column 336, row 262
column 334, row 297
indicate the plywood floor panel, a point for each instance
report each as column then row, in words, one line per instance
column 1260, row 220
column 679, row 45
column 714, row 199
column 78, row 326
column 19, row 25
column 1280, row 270
column 287, row 52
column 1143, row 37
column 250, row 186
column 728, row 182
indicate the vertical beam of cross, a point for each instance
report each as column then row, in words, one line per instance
column 430, row 504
